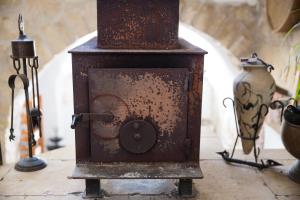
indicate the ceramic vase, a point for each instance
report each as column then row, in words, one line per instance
column 290, row 134
column 252, row 88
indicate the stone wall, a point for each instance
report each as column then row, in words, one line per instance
column 242, row 27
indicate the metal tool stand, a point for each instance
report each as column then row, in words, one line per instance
column 31, row 163
column 23, row 56
column 262, row 164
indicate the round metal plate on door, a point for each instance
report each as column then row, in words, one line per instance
column 137, row 136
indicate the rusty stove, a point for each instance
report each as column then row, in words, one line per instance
column 137, row 97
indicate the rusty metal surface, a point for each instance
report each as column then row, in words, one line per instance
column 136, row 24
column 157, row 96
column 195, row 107
column 87, row 56
column 23, row 47
column 137, row 96
column 92, row 189
column 185, row 188
column 129, row 170
column 91, row 47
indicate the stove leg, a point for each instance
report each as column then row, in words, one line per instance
column 185, row 187
column 92, row 189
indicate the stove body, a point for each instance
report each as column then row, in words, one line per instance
column 137, row 97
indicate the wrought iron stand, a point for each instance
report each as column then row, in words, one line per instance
column 262, row 164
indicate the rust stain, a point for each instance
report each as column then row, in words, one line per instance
column 117, row 106
column 194, row 95
column 111, row 146
column 148, row 95
column 155, row 97
column 131, row 24
column 83, row 74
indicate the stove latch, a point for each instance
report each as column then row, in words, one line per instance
column 106, row 117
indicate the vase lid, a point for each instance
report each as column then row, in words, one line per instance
column 255, row 61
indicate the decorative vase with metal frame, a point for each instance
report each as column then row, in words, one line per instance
column 253, row 93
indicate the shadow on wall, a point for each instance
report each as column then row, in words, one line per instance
column 57, row 92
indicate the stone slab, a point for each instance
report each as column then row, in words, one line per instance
column 141, row 186
column 43, row 197
column 275, row 154
column 4, row 170
column 52, row 180
column 278, row 181
column 223, row 181
column 288, row 197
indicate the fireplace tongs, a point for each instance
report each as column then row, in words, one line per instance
column 106, row 117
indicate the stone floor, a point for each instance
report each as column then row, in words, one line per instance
column 221, row 182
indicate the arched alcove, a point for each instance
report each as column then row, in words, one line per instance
column 57, row 93
column 236, row 27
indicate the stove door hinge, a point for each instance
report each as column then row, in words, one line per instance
column 189, row 82
column 188, row 146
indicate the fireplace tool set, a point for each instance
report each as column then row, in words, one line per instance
column 24, row 58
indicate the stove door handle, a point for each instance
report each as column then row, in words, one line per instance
column 106, row 117
column 76, row 118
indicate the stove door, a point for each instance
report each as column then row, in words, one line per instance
column 146, row 113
